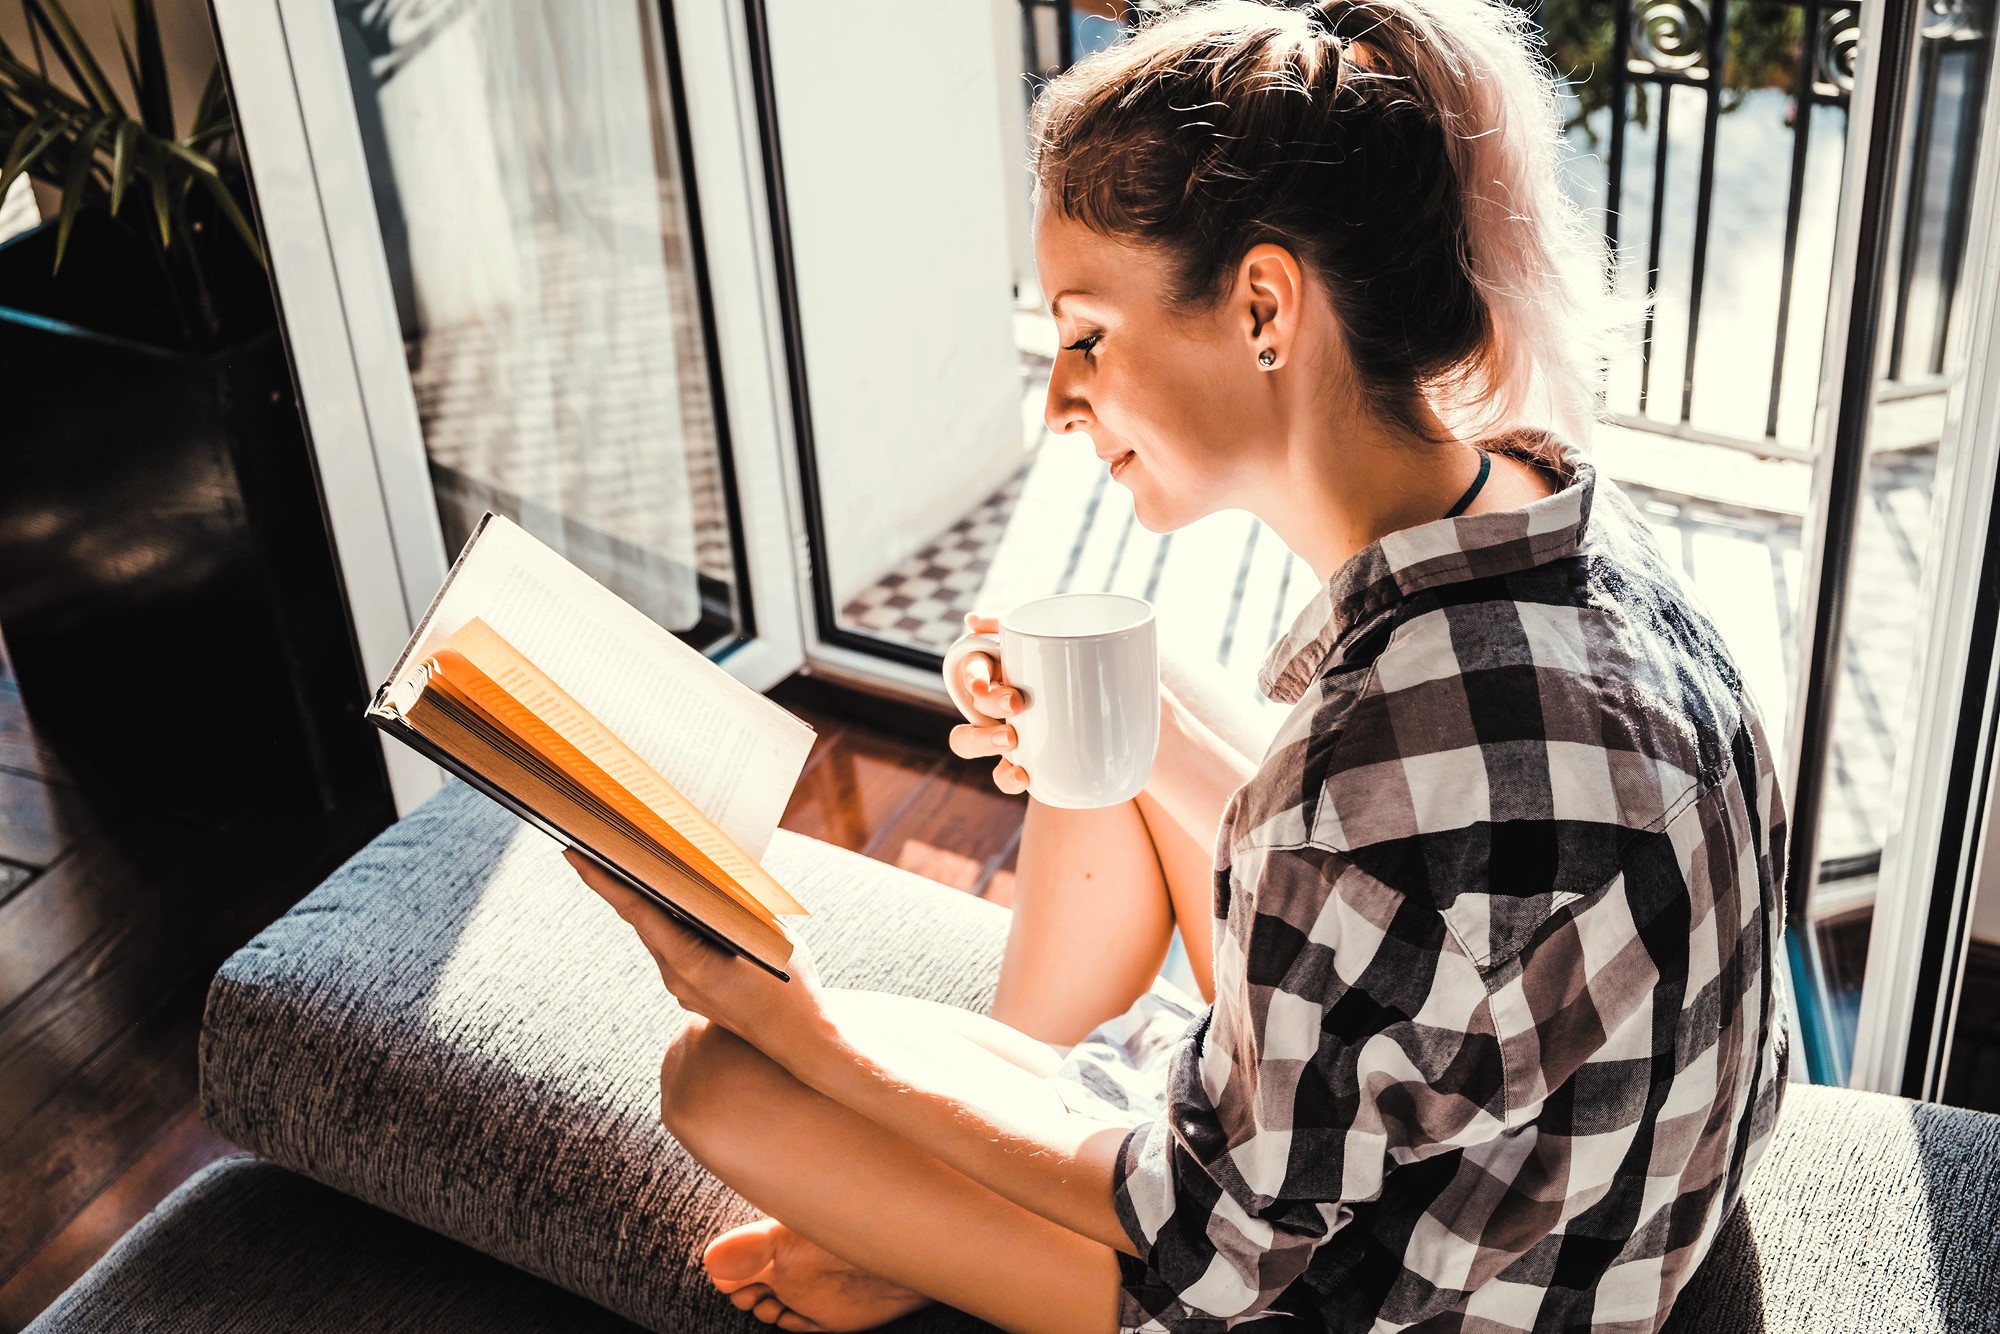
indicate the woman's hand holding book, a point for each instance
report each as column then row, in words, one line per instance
column 726, row 990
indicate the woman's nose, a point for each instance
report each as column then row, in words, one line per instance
column 1065, row 410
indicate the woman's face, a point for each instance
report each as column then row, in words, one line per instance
column 1169, row 400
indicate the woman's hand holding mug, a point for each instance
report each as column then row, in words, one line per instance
column 1066, row 690
column 979, row 673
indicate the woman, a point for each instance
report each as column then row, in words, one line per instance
column 1488, row 1038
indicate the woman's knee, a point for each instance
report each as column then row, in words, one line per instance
column 701, row 1076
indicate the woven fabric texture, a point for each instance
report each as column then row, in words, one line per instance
column 1867, row 1213
column 454, row 1028
column 244, row 1247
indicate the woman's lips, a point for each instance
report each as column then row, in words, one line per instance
column 1120, row 463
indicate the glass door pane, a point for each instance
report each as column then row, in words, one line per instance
column 527, row 159
column 923, row 354
column 1888, row 522
column 1710, row 141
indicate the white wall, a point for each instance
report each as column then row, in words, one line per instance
column 18, row 210
column 889, row 119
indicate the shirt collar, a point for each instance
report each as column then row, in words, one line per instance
column 1445, row 551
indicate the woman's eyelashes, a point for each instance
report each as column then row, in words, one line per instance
column 1084, row 345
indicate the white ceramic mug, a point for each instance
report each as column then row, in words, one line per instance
column 1089, row 667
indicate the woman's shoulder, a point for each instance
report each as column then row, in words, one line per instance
column 1506, row 735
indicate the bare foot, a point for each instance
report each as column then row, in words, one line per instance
column 784, row 1280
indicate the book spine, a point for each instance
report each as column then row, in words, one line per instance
column 416, row 740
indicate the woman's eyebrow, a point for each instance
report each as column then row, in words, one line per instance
column 1055, row 302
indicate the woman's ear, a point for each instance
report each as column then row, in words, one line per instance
column 1272, row 290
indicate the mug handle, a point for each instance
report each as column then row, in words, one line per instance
column 954, row 679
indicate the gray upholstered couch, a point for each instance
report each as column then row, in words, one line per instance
column 446, row 1061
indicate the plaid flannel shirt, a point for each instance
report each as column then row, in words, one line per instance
column 1497, row 1032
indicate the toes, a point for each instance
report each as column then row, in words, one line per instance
column 748, row 1296
column 769, row 1310
column 792, row 1320
column 741, row 1254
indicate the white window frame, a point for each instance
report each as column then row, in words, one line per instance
column 296, row 116
column 1961, row 511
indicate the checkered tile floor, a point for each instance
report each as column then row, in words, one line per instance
column 923, row 601
column 1227, row 588
column 628, row 452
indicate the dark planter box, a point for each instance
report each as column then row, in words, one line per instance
column 167, row 592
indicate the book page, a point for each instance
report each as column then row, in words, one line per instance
column 726, row 748
column 594, row 757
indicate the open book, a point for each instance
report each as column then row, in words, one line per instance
column 553, row 696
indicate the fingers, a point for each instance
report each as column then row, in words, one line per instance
column 1010, row 777
column 612, row 890
column 664, row 938
column 969, row 741
column 991, row 694
column 994, row 698
column 972, row 742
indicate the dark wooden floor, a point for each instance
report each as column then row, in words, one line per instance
column 116, row 907
column 103, row 963
column 881, row 781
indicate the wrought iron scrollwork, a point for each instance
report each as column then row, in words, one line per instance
column 1836, row 49
column 1955, row 20
column 1671, row 34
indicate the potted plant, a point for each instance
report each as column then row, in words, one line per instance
column 167, row 592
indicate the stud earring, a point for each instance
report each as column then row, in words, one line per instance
column 1267, row 358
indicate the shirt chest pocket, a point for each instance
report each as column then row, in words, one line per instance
column 1498, row 877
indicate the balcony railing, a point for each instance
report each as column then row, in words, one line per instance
column 1709, row 137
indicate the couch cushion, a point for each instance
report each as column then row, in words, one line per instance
column 1866, row 1213
column 246, row 1246
column 455, row 1029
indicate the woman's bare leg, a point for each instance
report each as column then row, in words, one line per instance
column 1091, row 921
column 873, row 1226
column 1189, row 867
column 1096, row 896
column 1097, row 893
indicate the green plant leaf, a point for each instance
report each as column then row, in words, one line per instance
column 156, row 104
column 26, row 135
column 28, row 148
column 80, row 164
column 191, row 159
column 226, row 201
column 163, row 205
column 74, row 53
column 30, row 86
column 211, row 115
column 121, row 162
